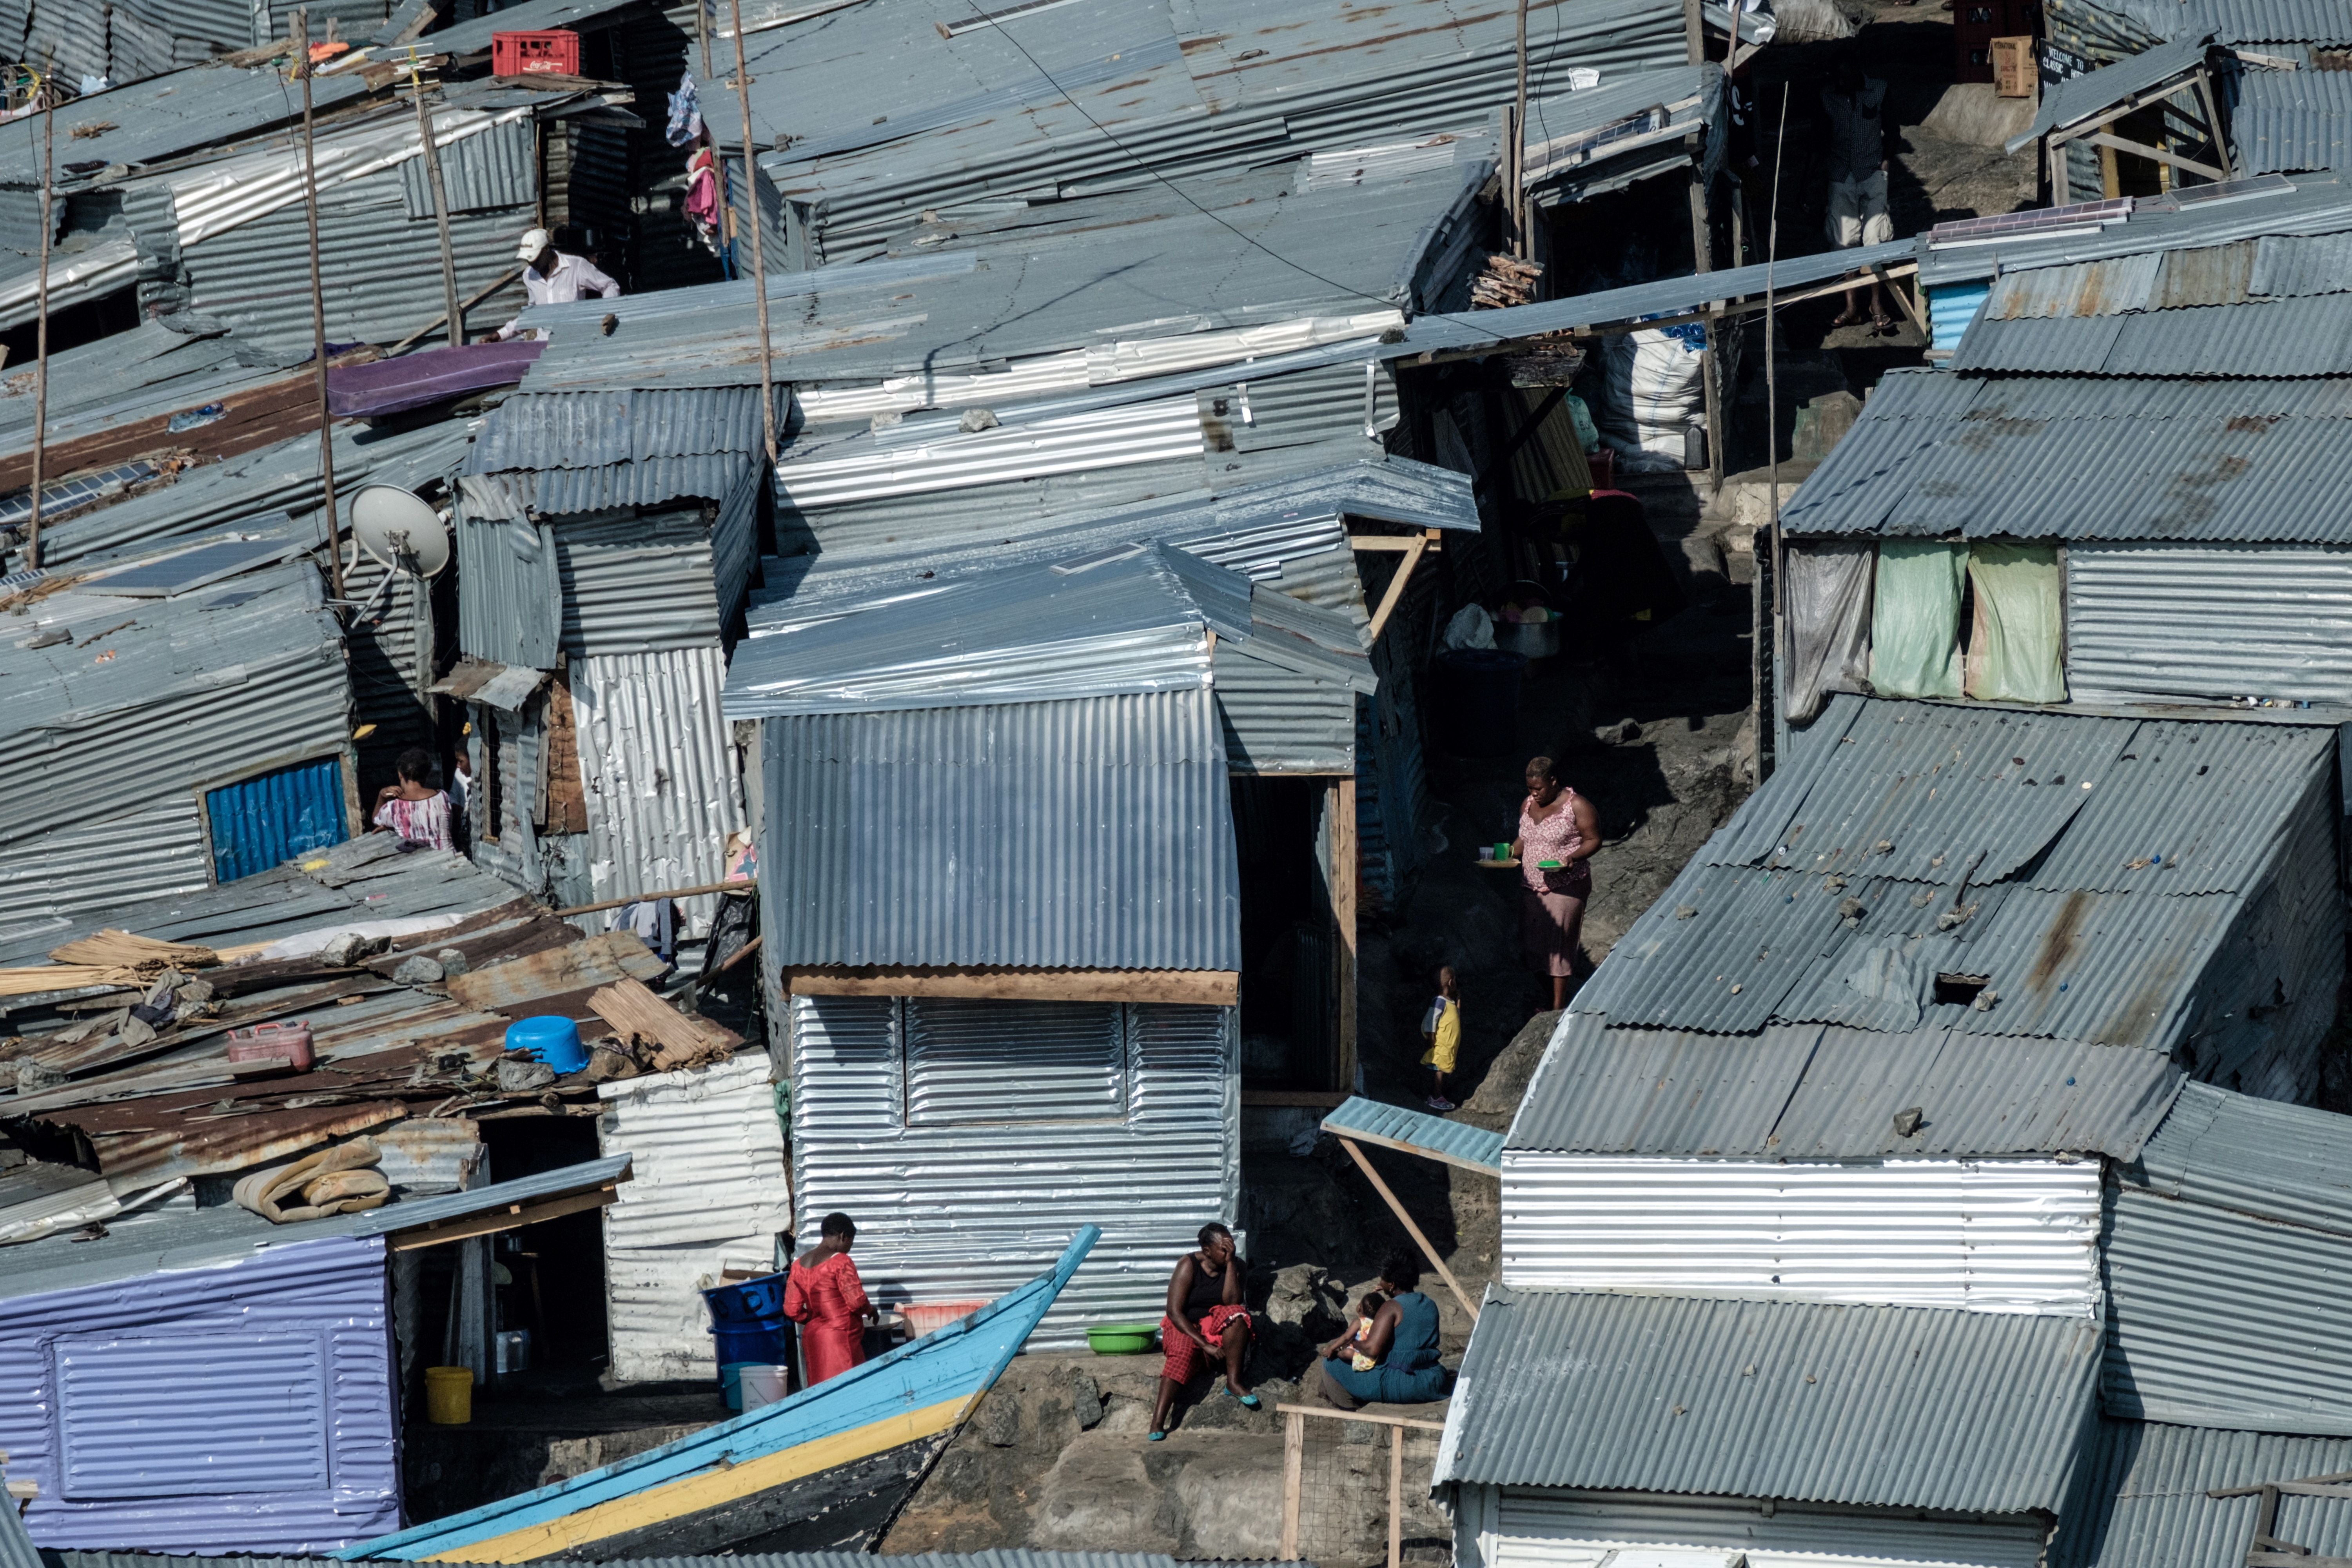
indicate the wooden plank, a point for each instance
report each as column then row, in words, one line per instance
column 2256, row 1490
column 1396, row 1497
column 1294, row 1467
column 635, row 1011
column 511, row 1217
column 1328, row 1414
column 1345, row 874
column 1411, row 1229
column 739, row 885
column 2119, row 144
column 1190, row 987
column 1430, row 538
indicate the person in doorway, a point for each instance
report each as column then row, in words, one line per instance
column 1403, row 1346
column 1207, row 1322
column 1855, row 105
column 551, row 277
column 413, row 809
column 1442, row 1027
column 1559, row 832
column 824, row 1296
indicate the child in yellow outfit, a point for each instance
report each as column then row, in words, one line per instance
column 1441, row 1027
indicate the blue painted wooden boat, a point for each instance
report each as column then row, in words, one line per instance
column 826, row 1469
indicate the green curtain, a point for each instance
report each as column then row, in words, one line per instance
column 1915, row 618
column 2014, row 652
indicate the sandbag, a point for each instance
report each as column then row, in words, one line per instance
column 333, row 1180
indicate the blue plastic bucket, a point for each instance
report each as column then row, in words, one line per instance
column 552, row 1040
column 765, row 1346
column 749, row 1303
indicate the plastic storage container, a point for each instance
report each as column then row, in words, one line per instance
column 449, row 1396
column 748, row 1303
column 768, row 1346
column 762, row 1385
column 555, row 52
column 263, row 1041
column 730, row 1381
column 929, row 1318
column 549, row 1039
column 1474, row 707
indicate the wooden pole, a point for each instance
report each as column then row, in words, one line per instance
column 759, row 258
column 1411, row 1229
column 1294, row 1466
column 1758, row 626
column 1396, row 1497
column 453, row 310
column 1340, row 806
column 318, row 305
column 741, row 885
column 41, row 329
column 1515, row 156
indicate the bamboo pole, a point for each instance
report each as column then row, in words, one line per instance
column 453, row 312
column 759, row 257
column 41, row 331
column 317, row 304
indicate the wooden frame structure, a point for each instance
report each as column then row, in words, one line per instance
column 2263, row 1548
column 2197, row 80
column 1293, row 1467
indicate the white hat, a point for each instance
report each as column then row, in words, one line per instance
column 534, row 242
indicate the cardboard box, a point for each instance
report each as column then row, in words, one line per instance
column 2013, row 72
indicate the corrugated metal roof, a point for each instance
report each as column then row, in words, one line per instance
column 1255, row 528
column 2069, row 102
column 638, row 584
column 145, row 696
column 2288, row 121
column 1288, row 695
column 2216, row 1319
column 1096, row 833
column 1892, row 1406
column 1602, row 138
column 2286, row 1162
column 1801, row 1092
column 150, row 121
column 2039, row 458
column 1417, row 1132
column 595, row 429
column 2145, row 1497
column 1127, row 620
column 2313, row 204
column 2269, row 338
column 210, row 1236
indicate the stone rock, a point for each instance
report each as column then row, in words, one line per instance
column 1229, row 1496
column 419, row 970
column 30, row 1075
column 1000, row 1423
column 1623, row 732
column 606, row 1063
column 1086, row 1399
column 520, row 1077
column 452, row 961
column 1306, row 1294
column 347, row 948
column 1098, row 1498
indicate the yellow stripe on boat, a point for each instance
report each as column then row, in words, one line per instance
column 712, row 1488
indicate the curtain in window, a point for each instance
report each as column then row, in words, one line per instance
column 2015, row 652
column 1915, row 618
column 1829, row 622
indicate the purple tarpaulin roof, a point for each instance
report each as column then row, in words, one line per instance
column 412, row 380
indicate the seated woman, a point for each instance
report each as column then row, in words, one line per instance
column 1403, row 1347
column 1207, row 1323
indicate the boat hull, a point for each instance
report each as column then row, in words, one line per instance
column 845, row 1509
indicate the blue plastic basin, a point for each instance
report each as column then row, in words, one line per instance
column 552, row 1040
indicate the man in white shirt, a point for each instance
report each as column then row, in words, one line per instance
column 552, row 278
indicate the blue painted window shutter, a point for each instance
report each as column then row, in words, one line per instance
column 259, row 822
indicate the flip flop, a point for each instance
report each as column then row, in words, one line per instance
column 1155, row 1436
column 1251, row 1401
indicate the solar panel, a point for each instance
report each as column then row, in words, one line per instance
column 190, row 569
column 2087, row 215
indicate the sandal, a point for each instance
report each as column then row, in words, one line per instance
column 1155, row 1436
column 1250, row 1402
column 1848, row 319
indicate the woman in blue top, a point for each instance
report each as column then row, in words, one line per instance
column 1403, row 1341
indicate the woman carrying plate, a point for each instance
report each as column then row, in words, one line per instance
column 1559, row 832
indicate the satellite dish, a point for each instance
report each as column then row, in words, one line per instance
column 401, row 529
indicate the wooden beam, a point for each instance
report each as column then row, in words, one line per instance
column 1345, row 874
column 1429, row 537
column 1910, row 307
column 1404, row 1148
column 1396, row 1497
column 1192, row 987
column 1326, row 1413
column 1294, row 1464
column 1411, row 1229
column 2119, row 144
column 2132, row 105
column 511, row 1217
column 739, row 885
column 1413, row 554
column 2213, row 123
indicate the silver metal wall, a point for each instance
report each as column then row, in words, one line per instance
column 637, row 585
column 2006, row 1236
column 509, row 593
column 968, row 1209
column 707, row 1189
column 2208, row 623
column 664, row 789
column 1515, row 1527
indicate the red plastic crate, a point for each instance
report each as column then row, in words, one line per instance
column 530, row 54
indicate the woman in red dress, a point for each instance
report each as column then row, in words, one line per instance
column 824, row 1296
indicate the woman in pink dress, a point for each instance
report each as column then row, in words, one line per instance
column 413, row 809
column 824, row 1296
column 1555, row 825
